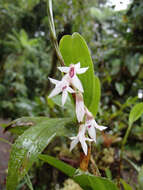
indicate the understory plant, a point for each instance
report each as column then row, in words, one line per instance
column 79, row 87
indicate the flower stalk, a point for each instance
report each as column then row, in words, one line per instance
column 53, row 31
column 122, row 150
column 84, row 159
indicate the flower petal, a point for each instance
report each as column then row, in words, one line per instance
column 76, row 83
column 54, row 81
column 55, row 91
column 83, row 145
column 79, row 107
column 100, row 127
column 77, row 66
column 64, row 69
column 66, row 78
column 88, row 139
column 73, row 138
column 64, row 96
column 69, row 89
column 81, row 70
column 74, row 143
column 92, row 132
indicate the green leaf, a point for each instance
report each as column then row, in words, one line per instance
column 74, row 49
column 132, row 63
column 65, row 168
column 140, row 178
column 18, row 126
column 108, row 173
column 96, row 96
column 28, row 182
column 30, row 144
column 119, row 88
column 5, row 141
column 125, row 185
column 86, row 180
column 23, row 38
column 135, row 113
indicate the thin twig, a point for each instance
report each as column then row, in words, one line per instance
column 53, row 32
column 131, row 163
column 95, row 166
column 5, row 141
column 122, row 150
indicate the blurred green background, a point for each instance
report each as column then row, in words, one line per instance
column 115, row 39
column 27, row 57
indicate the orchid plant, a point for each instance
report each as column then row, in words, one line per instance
column 72, row 84
column 80, row 81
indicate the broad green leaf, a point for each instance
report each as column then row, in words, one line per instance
column 101, row 15
column 135, row 113
column 108, row 173
column 131, row 101
column 18, row 126
column 119, row 88
column 96, row 96
column 140, row 178
column 28, row 182
column 125, row 185
column 91, row 182
column 65, row 168
column 86, row 180
column 115, row 66
column 18, row 130
column 95, row 12
column 30, row 144
column 74, row 49
column 132, row 62
column 28, row 5
column 23, row 38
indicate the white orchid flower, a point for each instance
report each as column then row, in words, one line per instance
column 91, row 125
column 61, row 86
column 80, row 138
column 80, row 111
column 72, row 71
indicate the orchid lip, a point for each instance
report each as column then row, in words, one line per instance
column 72, row 72
column 64, row 88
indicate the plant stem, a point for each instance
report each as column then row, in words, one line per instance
column 84, row 159
column 53, row 32
column 97, row 172
column 4, row 140
column 28, row 182
column 122, row 151
column 125, row 140
column 132, row 164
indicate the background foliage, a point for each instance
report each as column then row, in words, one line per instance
column 27, row 58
